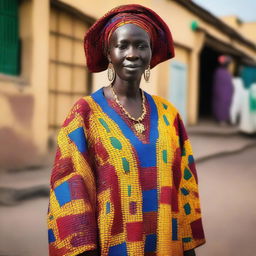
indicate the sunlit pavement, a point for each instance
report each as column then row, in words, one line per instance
column 227, row 174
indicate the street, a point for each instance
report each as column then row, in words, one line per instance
column 227, row 188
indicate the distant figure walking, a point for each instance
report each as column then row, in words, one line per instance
column 222, row 91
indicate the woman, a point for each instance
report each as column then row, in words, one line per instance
column 124, row 180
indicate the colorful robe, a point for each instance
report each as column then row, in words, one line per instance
column 112, row 192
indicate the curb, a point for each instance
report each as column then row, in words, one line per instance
column 12, row 196
column 225, row 153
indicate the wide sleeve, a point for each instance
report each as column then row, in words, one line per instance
column 192, row 233
column 71, row 215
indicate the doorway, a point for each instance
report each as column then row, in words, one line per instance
column 208, row 64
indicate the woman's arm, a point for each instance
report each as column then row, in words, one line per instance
column 72, row 217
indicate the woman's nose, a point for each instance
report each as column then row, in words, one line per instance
column 132, row 54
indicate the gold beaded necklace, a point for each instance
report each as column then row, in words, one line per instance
column 139, row 127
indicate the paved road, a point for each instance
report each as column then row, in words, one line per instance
column 228, row 195
column 227, row 186
column 23, row 229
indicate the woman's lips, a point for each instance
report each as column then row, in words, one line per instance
column 132, row 68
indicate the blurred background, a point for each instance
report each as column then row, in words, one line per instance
column 211, row 81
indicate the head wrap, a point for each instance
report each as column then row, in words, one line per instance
column 97, row 38
column 224, row 59
column 121, row 19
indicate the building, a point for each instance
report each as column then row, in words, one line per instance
column 43, row 69
column 247, row 29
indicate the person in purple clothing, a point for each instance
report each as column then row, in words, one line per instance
column 222, row 91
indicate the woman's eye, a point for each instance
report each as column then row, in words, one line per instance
column 121, row 46
column 142, row 46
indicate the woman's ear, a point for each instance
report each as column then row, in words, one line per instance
column 108, row 55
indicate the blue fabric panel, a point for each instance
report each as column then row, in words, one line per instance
column 51, row 237
column 186, row 239
column 78, row 137
column 118, row 250
column 174, row 229
column 187, row 208
column 184, row 191
column 149, row 200
column 146, row 152
column 191, row 159
column 107, row 207
column 165, row 106
column 150, row 243
column 62, row 193
column 166, row 120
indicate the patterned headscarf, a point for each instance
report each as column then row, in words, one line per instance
column 121, row 19
column 97, row 38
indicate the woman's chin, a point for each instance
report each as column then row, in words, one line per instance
column 132, row 76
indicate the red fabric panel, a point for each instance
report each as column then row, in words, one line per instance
column 71, row 224
column 61, row 168
column 175, row 203
column 148, row 178
column 176, row 168
column 134, row 231
column 150, row 222
column 197, row 229
column 166, row 195
column 77, row 188
column 107, row 178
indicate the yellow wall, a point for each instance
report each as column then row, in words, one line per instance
column 232, row 21
column 249, row 30
column 17, row 102
column 39, row 78
column 24, row 98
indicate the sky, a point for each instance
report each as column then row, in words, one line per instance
column 244, row 9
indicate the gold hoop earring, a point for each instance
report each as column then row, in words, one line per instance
column 111, row 72
column 147, row 74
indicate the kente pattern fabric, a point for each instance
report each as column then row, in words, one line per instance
column 96, row 38
column 127, row 18
column 114, row 192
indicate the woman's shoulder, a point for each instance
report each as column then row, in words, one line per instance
column 165, row 104
column 82, row 105
column 81, row 110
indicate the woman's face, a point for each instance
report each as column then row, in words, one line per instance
column 129, row 51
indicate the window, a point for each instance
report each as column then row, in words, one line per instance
column 9, row 38
column 69, row 78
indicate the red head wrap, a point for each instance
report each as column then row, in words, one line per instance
column 121, row 19
column 97, row 37
column 224, row 59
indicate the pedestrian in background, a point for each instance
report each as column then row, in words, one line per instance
column 222, row 91
column 124, row 180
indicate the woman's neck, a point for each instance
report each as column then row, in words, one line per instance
column 127, row 89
